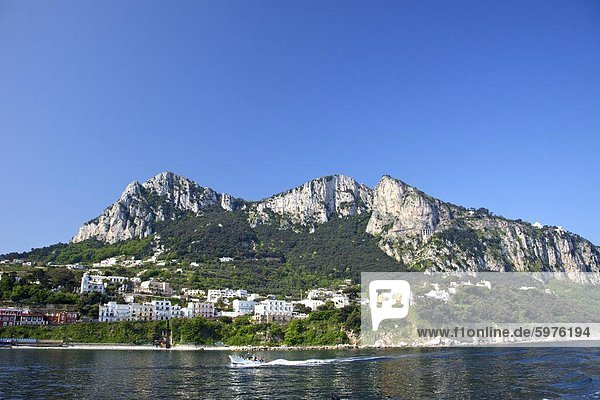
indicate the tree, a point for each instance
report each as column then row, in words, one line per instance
column 301, row 308
column 6, row 286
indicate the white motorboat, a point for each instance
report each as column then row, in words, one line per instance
column 243, row 361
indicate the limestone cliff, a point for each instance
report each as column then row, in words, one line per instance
column 314, row 202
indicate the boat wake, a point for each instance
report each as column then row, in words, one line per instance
column 310, row 362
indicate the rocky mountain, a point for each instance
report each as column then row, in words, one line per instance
column 417, row 230
column 163, row 197
column 424, row 232
column 314, row 202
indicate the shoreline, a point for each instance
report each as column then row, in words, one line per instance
column 182, row 347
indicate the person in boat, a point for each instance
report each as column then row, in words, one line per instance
column 254, row 357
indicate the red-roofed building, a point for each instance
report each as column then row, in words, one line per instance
column 8, row 316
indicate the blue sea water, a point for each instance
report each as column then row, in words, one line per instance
column 351, row 374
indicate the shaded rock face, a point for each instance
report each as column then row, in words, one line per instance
column 420, row 231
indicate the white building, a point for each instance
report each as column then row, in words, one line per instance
column 176, row 311
column 201, row 309
column 273, row 310
column 114, row 312
column 129, row 298
column 320, row 294
column 243, row 307
column 97, row 283
column 438, row 295
column 183, row 312
column 109, row 262
column 155, row 287
column 340, row 300
column 240, row 294
column 156, row 310
column 214, row 295
column 132, row 262
column 193, row 292
column 142, row 312
column 91, row 283
column 162, row 309
column 312, row 304
column 76, row 267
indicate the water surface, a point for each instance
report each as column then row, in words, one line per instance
column 352, row 374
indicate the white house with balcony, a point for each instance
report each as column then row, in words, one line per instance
column 273, row 310
column 142, row 312
column 162, row 309
column 202, row 309
column 114, row 312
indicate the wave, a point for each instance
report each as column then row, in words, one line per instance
column 315, row 361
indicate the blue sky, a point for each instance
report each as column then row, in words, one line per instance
column 492, row 104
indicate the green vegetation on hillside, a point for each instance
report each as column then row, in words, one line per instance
column 213, row 234
column 336, row 250
column 88, row 251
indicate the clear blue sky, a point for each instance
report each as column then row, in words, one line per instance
column 493, row 104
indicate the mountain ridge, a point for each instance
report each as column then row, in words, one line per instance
column 410, row 226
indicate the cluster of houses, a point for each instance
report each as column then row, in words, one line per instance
column 99, row 283
column 317, row 297
column 24, row 316
column 155, row 310
column 16, row 261
column 200, row 303
column 154, row 300
column 445, row 294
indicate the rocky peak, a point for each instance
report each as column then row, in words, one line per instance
column 132, row 190
column 164, row 196
column 403, row 210
column 314, row 202
column 181, row 193
column 168, row 182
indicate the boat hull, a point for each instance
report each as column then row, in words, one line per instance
column 236, row 360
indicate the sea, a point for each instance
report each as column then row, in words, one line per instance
column 445, row 373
